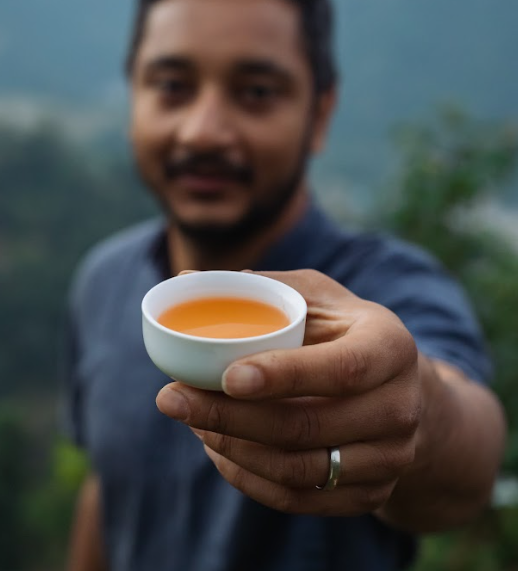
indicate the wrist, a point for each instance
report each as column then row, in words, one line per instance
column 438, row 407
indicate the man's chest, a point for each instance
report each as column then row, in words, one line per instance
column 125, row 433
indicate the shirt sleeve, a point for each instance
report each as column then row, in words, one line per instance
column 433, row 307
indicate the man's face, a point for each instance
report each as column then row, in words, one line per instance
column 223, row 111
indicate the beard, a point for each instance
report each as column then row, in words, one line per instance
column 214, row 237
column 217, row 237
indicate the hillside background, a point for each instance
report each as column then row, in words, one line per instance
column 399, row 60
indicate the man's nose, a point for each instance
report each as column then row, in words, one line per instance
column 207, row 124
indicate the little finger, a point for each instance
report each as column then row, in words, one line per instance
column 350, row 500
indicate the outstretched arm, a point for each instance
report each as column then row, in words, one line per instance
column 420, row 444
column 459, row 446
column 86, row 546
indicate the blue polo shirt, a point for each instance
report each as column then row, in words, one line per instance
column 165, row 507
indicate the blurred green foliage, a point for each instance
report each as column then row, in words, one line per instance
column 450, row 167
column 39, row 479
column 58, row 196
column 48, row 507
column 488, row 544
column 13, row 482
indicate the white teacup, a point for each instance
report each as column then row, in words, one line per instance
column 201, row 361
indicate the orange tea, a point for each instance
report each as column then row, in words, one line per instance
column 224, row 318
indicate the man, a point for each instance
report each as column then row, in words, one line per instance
column 380, row 420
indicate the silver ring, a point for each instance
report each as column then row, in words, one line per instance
column 334, row 470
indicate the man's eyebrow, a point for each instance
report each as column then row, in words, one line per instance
column 168, row 63
column 263, row 67
column 244, row 67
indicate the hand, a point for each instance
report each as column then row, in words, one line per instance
column 353, row 385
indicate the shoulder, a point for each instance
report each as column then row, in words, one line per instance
column 416, row 286
column 374, row 265
column 402, row 276
column 393, row 257
column 371, row 261
column 390, row 270
column 111, row 258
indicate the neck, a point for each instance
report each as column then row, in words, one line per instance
column 184, row 254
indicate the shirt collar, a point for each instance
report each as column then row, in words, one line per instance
column 292, row 251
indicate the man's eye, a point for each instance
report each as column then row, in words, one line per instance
column 258, row 94
column 172, row 89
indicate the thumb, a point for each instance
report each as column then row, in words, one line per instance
column 337, row 368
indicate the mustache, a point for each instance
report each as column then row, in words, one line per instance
column 208, row 164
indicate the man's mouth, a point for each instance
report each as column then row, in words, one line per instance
column 207, row 174
column 206, row 183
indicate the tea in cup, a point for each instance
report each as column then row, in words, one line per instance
column 195, row 325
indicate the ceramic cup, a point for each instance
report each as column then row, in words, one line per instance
column 201, row 361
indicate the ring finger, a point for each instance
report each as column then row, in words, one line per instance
column 361, row 463
column 345, row 500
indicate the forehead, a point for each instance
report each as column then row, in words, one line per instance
column 216, row 31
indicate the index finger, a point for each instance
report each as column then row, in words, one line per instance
column 331, row 307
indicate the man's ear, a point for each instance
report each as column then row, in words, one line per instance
column 324, row 107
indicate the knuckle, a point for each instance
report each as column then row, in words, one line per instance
column 296, row 376
column 299, row 429
column 216, row 420
column 236, row 476
column 412, row 418
column 408, row 419
column 290, row 371
column 406, row 343
column 294, row 470
column 400, row 345
column 394, row 461
column 407, row 456
column 224, row 445
column 294, row 432
column 411, row 347
column 404, row 417
column 313, row 276
column 351, row 370
column 387, row 463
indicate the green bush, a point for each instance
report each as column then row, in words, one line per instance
column 448, row 168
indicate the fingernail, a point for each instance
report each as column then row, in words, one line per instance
column 214, row 456
column 242, row 380
column 173, row 404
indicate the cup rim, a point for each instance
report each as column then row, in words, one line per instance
column 230, row 340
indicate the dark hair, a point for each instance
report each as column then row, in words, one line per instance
column 317, row 32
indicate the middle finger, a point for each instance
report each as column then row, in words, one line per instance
column 295, row 424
